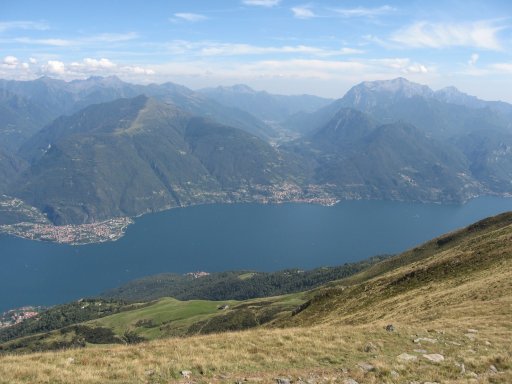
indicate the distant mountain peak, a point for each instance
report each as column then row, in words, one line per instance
column 454, row 96
column 451, row 91
column 103, row 80
column 369, row 94
column 49, row 80
column 398, row 85
column 242, row 88
column 237, row 88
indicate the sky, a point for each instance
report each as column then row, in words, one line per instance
column 282, row 46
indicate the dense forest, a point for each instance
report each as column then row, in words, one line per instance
column 234, row 285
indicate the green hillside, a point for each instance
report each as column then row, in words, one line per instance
column 134, row 156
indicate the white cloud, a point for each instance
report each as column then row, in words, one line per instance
column 98, row 64
column 33, row 25
column 247, row 49
column 262, row 3
column 111, row 37
column 56, row 42
column 502, row 67
column 402, row 65
column 138, row 70
column 364, row 12
column 303, row 13
column 50, row 42
column 416, row 68
column 395, row 62
column 208, row 48
column 473, row 59
column 192, row 17
column 264, row 69
column 31, row 60
column 481, row 34
column 10, row 61
column 89, row 66
column 54, row 67
column 350, row 51
column 25, row 65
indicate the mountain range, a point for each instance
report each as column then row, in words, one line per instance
column 137, row 155
column 94, row 149
column 263, row 105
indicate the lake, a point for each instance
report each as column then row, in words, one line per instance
column 227, row 237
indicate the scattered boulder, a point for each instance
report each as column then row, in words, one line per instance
column 394, row 373
column 434, row 357
column 407, row 357
column 493, row 369
column 462, row 367
column 350, row 381
column 425, row 339
column 370, row 347
column 471, row 330
column 282, row 380
column 366, row 367
column 420, row 350
column 390, row 328
column 149, row 372
column 70, row 360
column 186, row 374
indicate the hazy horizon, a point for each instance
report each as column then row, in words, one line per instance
column 281, row 46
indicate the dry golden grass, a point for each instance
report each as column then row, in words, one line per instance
column 461, row 297
column 322, row 352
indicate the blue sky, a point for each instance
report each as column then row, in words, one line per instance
column 283, row 46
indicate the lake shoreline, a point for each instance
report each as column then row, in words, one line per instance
column 223, row 237
column 115, row 228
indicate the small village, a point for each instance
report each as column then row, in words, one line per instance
column 287, row 193
column 18, row 315
column 197, row 275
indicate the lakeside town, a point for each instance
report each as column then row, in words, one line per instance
column 108, row 230
column 21, row 220
column 286, row 193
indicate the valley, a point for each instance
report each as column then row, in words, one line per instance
column 256, row 191
column 143, row 149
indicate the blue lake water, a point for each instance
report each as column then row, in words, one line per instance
column 227, row 237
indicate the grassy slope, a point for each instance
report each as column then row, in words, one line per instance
column 162, row 318
column 171, row 317
column 455, row 290
column 180, row 313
